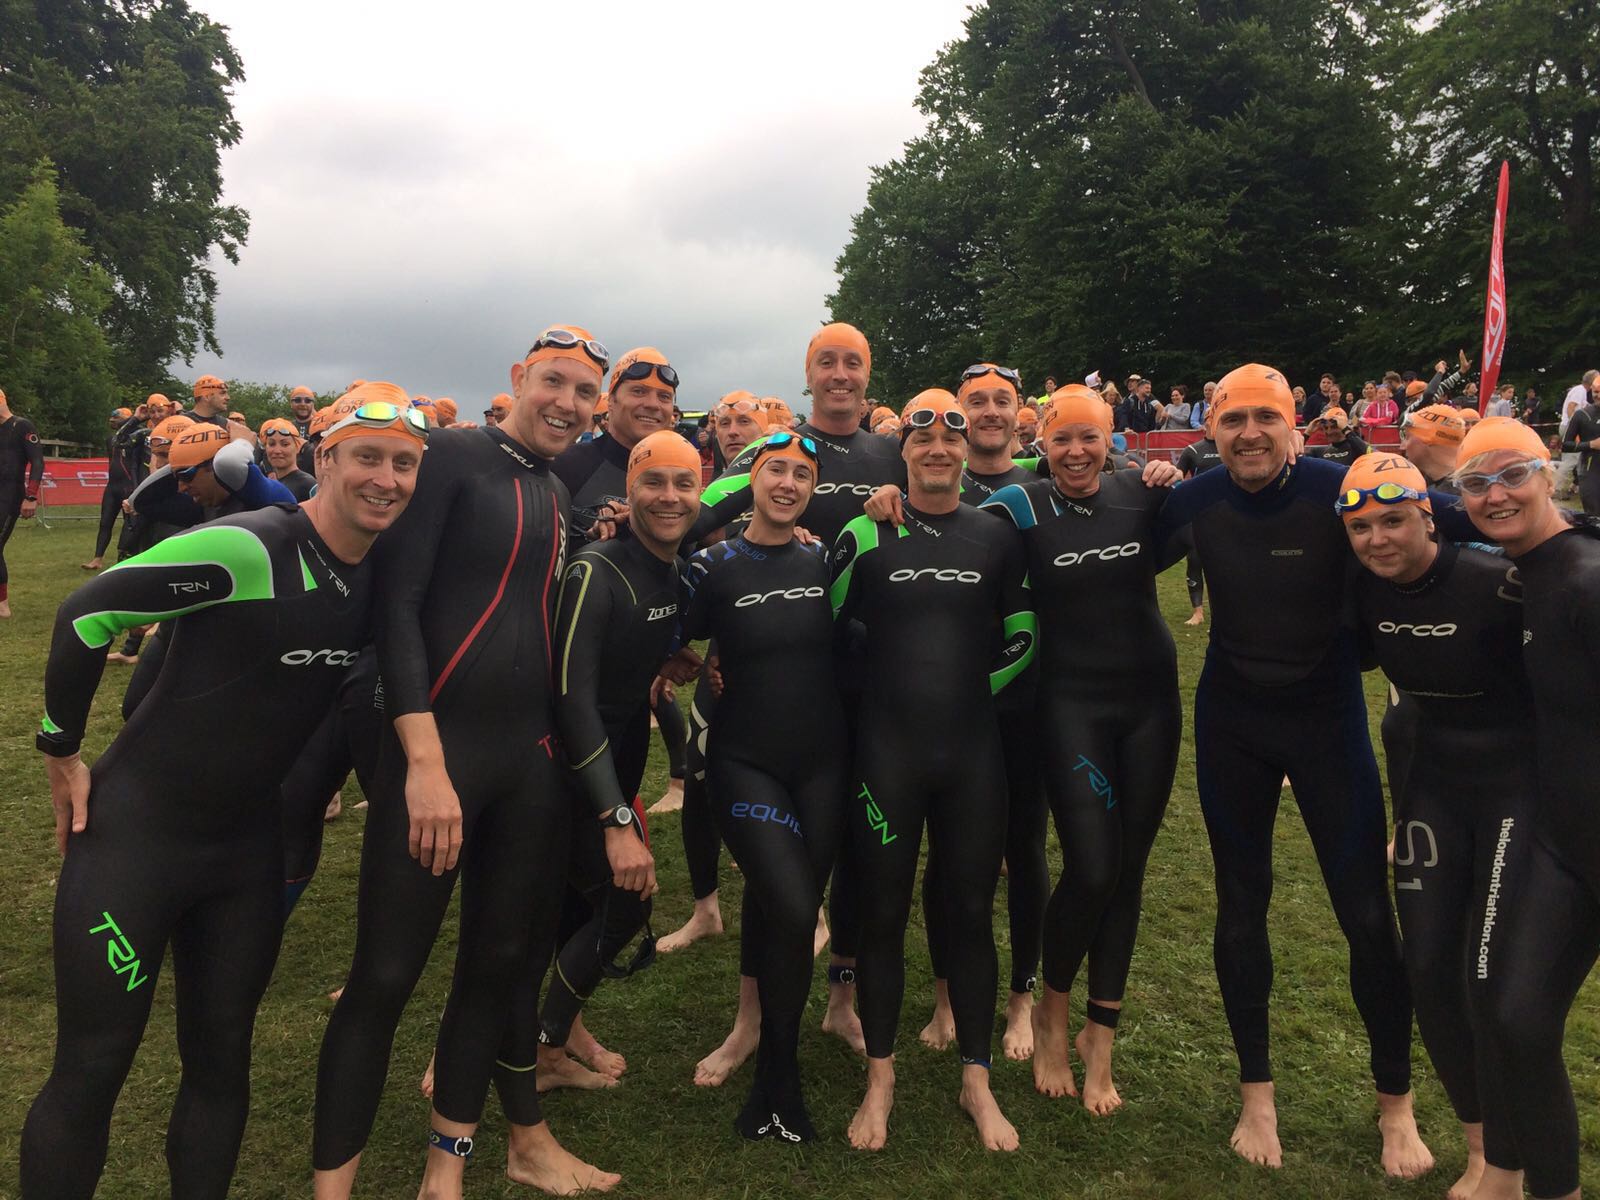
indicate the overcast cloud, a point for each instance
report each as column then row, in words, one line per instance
column 430, row 185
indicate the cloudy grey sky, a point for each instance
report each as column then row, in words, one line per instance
column 429, row 185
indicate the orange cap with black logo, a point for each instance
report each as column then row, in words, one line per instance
column 1437, row 425
column 1500, row 433
column 839, row 336
column 321, row 419
column 207, row 384
column 195, row 445
column 778, row 413
column 165, row 430
column 1254, row 385
column 790, row 449
column 664, row 448
column 1369, row 470
column 1076, row 404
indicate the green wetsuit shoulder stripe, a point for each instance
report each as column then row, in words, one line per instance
column 577, row 607
column 305, row 573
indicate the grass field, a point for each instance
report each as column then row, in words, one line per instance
column 670, row 1139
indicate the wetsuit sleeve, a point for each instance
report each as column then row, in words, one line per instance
column 35, row 452
column 726, row 496
column 212, row 565
column 1021, row 623
column 158, row 499
column 858, row 538
column 259, row 491
column 695, row 623
column 582, row 618
column 1011, row 503
column 1580, row 432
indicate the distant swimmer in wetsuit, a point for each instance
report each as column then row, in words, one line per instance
column 945, row 607
column 167, row 846
column 1445, row 625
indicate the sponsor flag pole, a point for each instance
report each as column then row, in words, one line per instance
column 1494, row 309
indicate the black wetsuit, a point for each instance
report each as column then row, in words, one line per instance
column 183, row 845
column 1342, row 453
column 120, row 483
column 1196, row 459
column 614, row 628
column 1581, row 430
column 777, row 772
column 1027, row 869
column 21, row 474
column 948, row 620
column 1109, row 686
column 467, row 581
column 300, row 484
column 1282, row 661
column 1541, row 930
column 1451, row 644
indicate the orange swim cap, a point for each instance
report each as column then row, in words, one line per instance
column 1335, row 415
column 984, row 379
column 602, row 405
column 1076, row 404
column 280, row 426
column 1371, row 470
column 1415, row 388
column 207, row 384
column 1471, row 416
column 664, row 448
column 1254, row 386
column 790, row 449
column 167, row 429
column 644, row 354
column 321, row 419
column 839, row 336
column 941, row 403
column 1437, row 425
column 778, row 413
column 348, row 425
column 237, row 416
column 157, row 398
column 302, row 393
column 195, row 445
column 445, row 407
column 584, row 349
column 500, row 404
column 1028, row 415
column 1500, row 433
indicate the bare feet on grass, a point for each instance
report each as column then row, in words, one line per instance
column 940, row 1030
column 715, row 1068
column 1017, row 1041
column 671, row 800
column 869, row 1128
column 1198, row 617
column 1497, row 1183
column 584, row 1047
column 819, row 940
column 1404, row 1155
column 536, row 1159
column 1094, row 1041
column 978, row 1102
column 1255, row 1137
column 1466, row 1187
column 558, row 1070
column 1052, row 1062
column 704, row 921
column 841, row 1019
column 425, row 1086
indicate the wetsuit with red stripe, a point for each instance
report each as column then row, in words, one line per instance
column 467, row 581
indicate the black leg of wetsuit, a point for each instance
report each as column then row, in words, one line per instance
column 785, row 839
column 1589, row 488
column 146, row 670
column 1110, row 771
column 1027, row 871
column 110, row 509
column 701, row 846
column 319, row 770
column 1527, row 969
column 8, row 524
column 1194, row 578
column 1399, row 733
column 844, row 889
column 674, row 734
column 1246, row 738
column 752, row 932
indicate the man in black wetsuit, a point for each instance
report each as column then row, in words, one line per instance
column 268, row 610
column 1195, row 459
column 1281, row 662
column 21, row 475
column 1583, row 439
column 120, row 482
column 467, row 586
column 944, row 601
column 614, row 629
column 302, row 407
column 1343, row 446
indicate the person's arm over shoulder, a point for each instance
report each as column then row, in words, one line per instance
column 694, row 604
column 857, row 539
column 582, row 620
column 1011, row 503
column 1020, row 624
column 213, row 564
column 726, row 496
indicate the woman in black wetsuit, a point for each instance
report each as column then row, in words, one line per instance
column 776, row 754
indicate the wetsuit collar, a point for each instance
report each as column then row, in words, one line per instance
column 1084, row 506
column 1277, row 494
column 1443, row 563
column 519, row 453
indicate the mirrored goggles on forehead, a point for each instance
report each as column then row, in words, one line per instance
column 779, row 441
column 1384, row 493
column 1513, row 476
column 379, row 413
column 565, row 339
column 924, row 418
column 976, row 369
column 641, row 370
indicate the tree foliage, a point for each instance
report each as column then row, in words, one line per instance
column 1177, row 186
column 131, row 100
column 55, row 362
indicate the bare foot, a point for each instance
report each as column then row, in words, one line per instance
column 1017, row 1041
column 1198, row 617
column 705, row 921
column 1052, row 1064
column 1466, row 1187
column 1255, row 1138
column 584, row 1047
column 92, row 565
column 559, row 1071
column 940, row 1030
column 994, row 1130
column 1390, row 852
column 869, row 1128
column 336, row 993
column 671, row 800
column 426, row 1085
column 819, row 941
column 714, row 1069
column 335, row 807
column 1094, row 1048
column 1499, row 1184
column 117, row 656
column 545, row 1164
column 5, row 611
column 1404, row 1155
column 841, row 1019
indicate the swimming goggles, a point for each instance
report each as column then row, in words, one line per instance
column 565, row 339
column 924, row 418
column 1384, row 493
column 1514, row 476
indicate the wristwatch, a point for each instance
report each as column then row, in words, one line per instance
column 621, row 816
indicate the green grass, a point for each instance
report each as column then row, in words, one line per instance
column 670, row 1139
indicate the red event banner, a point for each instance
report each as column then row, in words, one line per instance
column 74, row 480
column 1494, row 306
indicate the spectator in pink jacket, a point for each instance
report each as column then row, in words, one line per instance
column 1382, row 410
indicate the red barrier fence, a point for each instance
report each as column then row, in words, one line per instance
column 73, row 480
column 1170, row 442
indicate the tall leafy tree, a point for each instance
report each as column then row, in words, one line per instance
column 131, row 99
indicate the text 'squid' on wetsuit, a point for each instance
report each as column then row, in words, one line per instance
column 778, row 768
column 21, row 474
column 1109, row 692
column 183, row 845
column 1282, row 661
column 1541, row 925
column 1451, row 644
column 467, row 582
column 948, row 621
column 615, row 625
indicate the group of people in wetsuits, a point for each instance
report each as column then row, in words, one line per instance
column 876, row 607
